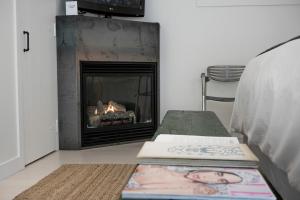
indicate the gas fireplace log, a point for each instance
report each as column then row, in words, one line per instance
column 112, row 118
column 117, row 107
column 117, row 115
column 100, row 107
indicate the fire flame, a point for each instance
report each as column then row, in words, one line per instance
column 110, row 108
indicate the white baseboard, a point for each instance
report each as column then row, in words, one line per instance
column 10, row 167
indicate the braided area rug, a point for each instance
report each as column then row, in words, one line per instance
column 81, row 182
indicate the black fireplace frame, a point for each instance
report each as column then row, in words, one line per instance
column 121, row 133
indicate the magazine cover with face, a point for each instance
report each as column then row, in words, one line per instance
column 202, row 183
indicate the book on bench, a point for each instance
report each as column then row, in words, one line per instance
column 197, row 183
column 194, row 151
column 196, row 139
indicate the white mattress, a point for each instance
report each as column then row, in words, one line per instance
column 267, row 107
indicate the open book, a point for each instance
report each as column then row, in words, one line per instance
column 194, row 151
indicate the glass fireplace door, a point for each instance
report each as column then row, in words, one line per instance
column 118, row 102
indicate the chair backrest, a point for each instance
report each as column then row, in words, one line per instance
column 225, row 73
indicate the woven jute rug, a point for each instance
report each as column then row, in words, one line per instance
column 81, row 182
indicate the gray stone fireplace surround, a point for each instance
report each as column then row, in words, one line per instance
column 82, row 39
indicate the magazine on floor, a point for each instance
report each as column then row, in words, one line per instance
column 200, row 183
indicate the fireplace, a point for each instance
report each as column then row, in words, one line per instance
column 108, row 81
column 118, row 101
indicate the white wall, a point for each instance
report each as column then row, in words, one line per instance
column 10, row 149
column 194, row 37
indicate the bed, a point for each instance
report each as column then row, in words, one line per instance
column 267, row 112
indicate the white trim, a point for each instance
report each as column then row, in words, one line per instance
column 19, row 92
column 11, row 166
column 225, row 3
column 19, row 105
column 16, row 163
column 17, row 85
column 19, row 95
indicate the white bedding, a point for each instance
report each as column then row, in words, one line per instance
column 267, row 107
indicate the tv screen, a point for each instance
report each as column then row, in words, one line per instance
column 131, row 8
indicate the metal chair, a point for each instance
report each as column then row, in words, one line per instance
column 222, row 73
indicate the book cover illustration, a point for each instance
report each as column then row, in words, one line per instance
column 196, row 139
column 202, row 183
column 194, row 151
column 207, row 150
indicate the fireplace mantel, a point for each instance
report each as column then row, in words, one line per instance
column 81, row 38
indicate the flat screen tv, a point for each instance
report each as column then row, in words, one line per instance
column 130, row 8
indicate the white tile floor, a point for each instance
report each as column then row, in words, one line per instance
column 10, row 187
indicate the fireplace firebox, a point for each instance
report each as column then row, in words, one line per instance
column 118, row 101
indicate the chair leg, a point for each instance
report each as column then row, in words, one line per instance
column 203, row 82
